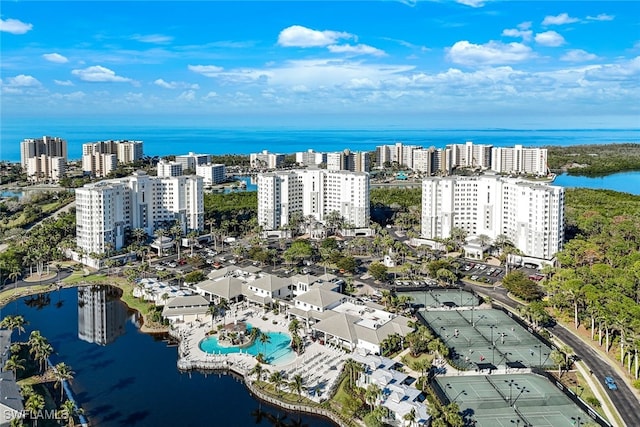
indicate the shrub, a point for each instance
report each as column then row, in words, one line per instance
column 593, row 401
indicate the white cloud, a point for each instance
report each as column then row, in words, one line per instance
column 21, row 80
column 299, row 36
column 206, row 70
column 98, row 73
column 578, row 55
column 73, row 96
column 359, row 49
column 188, row 95
column 471, row 3
column 210, row 95
column 55, row 57
column 175, row 85
column 561, row 19
column 14, row 26
column 152, row 38
column 615, row 72
column 601, row 17
column 513, row 32
column 492, row 53
column 63, row 82
column 524, row 25
column 550, row 38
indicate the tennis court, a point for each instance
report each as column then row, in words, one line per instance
column 483, row 337
column 510, row 400
column 443, row 298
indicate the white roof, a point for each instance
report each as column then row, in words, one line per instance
column 271, row 283
column 319, row 297
column 227, row 287
column 188, row 301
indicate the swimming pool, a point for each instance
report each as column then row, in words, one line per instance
column 277, row 351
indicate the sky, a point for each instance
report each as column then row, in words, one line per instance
column 465, row 63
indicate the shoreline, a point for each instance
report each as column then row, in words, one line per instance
column 225, row 365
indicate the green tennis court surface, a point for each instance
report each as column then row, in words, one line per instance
column 483, row 337
column 510, row 400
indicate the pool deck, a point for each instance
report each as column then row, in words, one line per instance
column 319, row 365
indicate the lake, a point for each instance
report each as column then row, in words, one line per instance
column 627, row 182
column 128, row 378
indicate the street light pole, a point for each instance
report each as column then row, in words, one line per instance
column 493, row 346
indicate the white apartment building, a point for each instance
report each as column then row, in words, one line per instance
column 315, row 192
column 348, row 161
column 531, row 215
column 266, row 160
column 398, row 153
column 212, row 173
column 471, row 155
column 166, row 168
column 102, row 157
column 519, row 160
column 191, row 160
column 310, row 158
column 44, row 159
column 107, row 209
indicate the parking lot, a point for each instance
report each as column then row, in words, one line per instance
column 482, row 272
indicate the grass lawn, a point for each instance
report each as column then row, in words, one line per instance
column 410, row 361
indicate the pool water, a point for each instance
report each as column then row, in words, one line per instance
column 277, row 351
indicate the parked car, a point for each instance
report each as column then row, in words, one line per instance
column 611, row 383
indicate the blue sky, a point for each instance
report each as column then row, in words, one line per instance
column 538, row 64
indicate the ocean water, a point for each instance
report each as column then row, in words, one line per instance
column 162, row 139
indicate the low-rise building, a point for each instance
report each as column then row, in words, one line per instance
column 212, row 173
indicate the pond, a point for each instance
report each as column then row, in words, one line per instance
column 127, row 378
column 627, row 182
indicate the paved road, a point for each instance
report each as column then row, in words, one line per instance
column 624, row 400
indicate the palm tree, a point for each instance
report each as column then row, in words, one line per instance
column 14, row 272
column 40, row 348
column 213, row 310
column 558, row 358
column 452, row 415
column 176, row 232
column 294, row 326
column 70, row 410
column 160, row 233
column 16, row 422
column 43, row 354
column 297, row 385
column 34, row 404
column 15, row 364
column 277, row 379
column 13, row 323
column 258, row 371
column 264, row 340
column 352, row 369
column 139, row 235
column 410, row 416
column 62, row 372
column 371, row 395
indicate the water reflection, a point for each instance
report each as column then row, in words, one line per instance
column 101, row 315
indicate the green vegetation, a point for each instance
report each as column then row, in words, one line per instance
column 233, row 212
column 594, row 160
column 598, row 283
column 402, row 197
column 19, row 213
column 521, row 286
column 231, row 159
